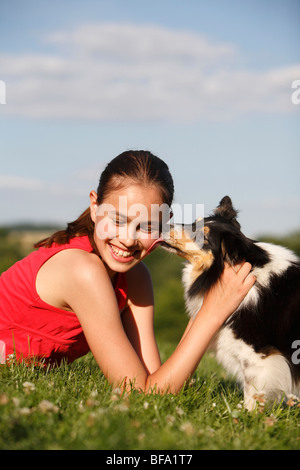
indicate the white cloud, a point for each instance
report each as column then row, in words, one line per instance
column 19, row 182
column 125, row 71
column 77, row 184
column 134, row 42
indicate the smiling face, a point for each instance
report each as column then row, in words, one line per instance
column 127, row 223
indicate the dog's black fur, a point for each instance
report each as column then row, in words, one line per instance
column 268, row 320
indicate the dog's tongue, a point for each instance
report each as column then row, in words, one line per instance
column 157, row 242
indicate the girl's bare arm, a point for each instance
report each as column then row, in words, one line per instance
column 90, row 294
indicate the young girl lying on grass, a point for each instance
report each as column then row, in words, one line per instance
column 86, row 288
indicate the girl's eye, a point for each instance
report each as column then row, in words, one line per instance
column 118, row 222
column 149, row 228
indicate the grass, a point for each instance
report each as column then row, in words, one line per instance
column 73, row 407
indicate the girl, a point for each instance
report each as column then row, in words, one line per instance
column 86, row 288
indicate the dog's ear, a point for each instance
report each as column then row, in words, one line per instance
column 226, row 210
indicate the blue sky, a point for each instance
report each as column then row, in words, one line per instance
column 204, row 85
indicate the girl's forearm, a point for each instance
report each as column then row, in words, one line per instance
column 186, row 330
column 180, row 366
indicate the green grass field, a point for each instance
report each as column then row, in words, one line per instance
column 73, row 408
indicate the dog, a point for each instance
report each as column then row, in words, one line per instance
column 256, row 342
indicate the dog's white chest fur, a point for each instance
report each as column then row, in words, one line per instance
column 255, row 372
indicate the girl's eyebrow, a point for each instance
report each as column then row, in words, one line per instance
column 122, row 216
column 117, row 214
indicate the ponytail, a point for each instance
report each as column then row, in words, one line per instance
column 80, row 227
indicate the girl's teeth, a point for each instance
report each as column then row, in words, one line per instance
column 120, row 252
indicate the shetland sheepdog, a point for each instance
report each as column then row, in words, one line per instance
column 260, row 342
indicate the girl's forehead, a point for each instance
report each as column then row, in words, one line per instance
column 135, row 202
column 134, row 193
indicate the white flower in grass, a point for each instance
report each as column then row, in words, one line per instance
column 116, row 394
column 179, row 411
column 24, row 411
column 47, row 406
column 270, row 421
column 28, row 387
column 170, row 420
column 292, row 400
column 122, row 407
column 187, row 428
column 16, row 401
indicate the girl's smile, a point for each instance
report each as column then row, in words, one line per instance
column 123, row 256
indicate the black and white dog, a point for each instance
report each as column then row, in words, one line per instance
column 257, row 343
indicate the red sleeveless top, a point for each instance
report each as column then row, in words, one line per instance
column 29, row 327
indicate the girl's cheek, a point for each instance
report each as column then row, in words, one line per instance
column 105, row 229
column 149, row 237
column 149, row 241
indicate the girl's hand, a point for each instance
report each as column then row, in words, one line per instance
column 227, row 294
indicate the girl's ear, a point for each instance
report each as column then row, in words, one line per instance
column 93, row 205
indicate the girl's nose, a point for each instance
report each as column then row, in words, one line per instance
column 129, row 242
column 129, row 237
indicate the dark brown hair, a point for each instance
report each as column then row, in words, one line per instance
column 138, row 166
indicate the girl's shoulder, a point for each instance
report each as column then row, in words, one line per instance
column 74, row 263
column 70, row 274
column 80, row 261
